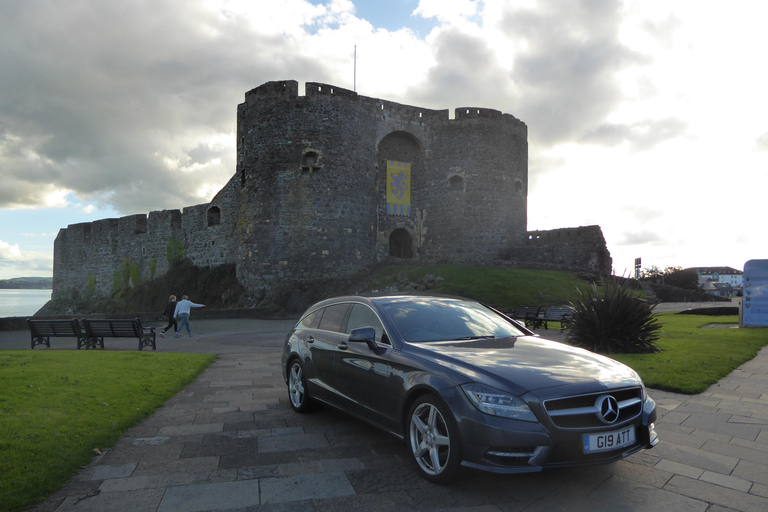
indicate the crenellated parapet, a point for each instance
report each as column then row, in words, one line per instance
column 580, row 249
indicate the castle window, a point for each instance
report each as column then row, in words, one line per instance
column 214, row 216
column 176, row 219
column 456, row 183
column 310, row 162
column 87, row 232
column 400, row 244
column 141, row 225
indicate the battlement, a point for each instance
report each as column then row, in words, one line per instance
column 284, row 89
column 581, row 234
column 287, row 90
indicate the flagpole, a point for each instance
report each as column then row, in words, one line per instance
column 354, row 80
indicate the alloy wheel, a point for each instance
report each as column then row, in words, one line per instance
column 430, row 439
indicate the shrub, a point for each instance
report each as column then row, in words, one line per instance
column 613, row 320
column 174, row 251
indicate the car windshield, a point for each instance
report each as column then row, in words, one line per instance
column 434, row 319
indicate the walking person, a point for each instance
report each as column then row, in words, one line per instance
column 170, row 310
column 182, row 314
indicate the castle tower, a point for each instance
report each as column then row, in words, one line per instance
column 331, row 182
column 328, row 184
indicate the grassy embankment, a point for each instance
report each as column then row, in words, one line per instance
column 58, row 407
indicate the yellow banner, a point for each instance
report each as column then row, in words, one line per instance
column 398, row 188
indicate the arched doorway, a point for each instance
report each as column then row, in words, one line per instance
column 400, row 244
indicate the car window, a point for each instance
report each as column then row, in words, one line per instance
column 333, row 316
column 309, row 321
column 363, row 316
column 446, row 320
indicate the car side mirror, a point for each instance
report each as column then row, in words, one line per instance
column 365, row 335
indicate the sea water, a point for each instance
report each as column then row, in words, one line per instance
column 22, row 302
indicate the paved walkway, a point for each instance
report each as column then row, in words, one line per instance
column 230, row 442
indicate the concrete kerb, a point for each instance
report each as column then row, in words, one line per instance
column 230, row 442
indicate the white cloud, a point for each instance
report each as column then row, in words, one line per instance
column 9, row 252
column 447, row 11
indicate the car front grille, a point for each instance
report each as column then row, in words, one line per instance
column 584, row 411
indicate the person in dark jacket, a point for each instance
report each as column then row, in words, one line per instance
column 170, row 309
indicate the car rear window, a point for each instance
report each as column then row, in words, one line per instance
column 333, row 316
column 310, row 321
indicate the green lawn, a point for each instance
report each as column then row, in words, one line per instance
column 501, row 288
column 692, row 356
column 57, row 407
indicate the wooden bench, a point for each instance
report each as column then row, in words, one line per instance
column 43, row 330
column 562, row 314
column 525, row 313
column 97, row 330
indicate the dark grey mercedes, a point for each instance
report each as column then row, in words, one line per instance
column 463, row 384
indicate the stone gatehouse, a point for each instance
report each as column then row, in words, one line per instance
column 331, row 182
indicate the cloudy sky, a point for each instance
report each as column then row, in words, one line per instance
column 647, row 117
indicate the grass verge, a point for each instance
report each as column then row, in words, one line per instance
column 501, row 288
column 694, row 356
column 57, row 407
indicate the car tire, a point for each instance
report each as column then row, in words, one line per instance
column 433, row 439
column 298, row 396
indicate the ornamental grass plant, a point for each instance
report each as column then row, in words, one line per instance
column 611, row 319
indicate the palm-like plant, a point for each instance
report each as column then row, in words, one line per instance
column 613, row 321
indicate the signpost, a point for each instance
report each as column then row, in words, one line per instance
column 637, row 268
column 754, row 303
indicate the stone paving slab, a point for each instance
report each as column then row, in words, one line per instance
column 230, row 442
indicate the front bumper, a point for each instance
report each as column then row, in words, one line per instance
column 502, row 445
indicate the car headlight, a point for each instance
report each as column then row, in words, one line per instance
column 497, row 403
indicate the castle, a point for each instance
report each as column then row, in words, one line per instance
column 330, row 183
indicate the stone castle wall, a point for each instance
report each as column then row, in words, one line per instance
column 308, row 198
column 577, row 249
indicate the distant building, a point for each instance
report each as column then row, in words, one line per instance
column 719, row 281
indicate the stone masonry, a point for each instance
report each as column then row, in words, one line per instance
column 308, row 201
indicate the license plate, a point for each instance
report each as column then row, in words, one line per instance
column 606, row 441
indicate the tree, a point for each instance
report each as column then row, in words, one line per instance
column 687, row 279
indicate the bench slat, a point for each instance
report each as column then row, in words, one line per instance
column 97, row 330
column 42, row 331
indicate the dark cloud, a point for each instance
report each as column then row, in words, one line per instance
column 466, row 74
column 640, row 238
column 567, row 75
column 99, row 97
column 641, row 136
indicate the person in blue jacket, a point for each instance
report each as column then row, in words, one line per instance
column 182, row 314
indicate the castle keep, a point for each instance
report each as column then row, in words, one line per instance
column 331, row 182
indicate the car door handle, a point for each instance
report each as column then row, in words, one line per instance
column 342, row 345
column 310, row 340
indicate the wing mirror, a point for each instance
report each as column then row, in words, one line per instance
column 365, row 335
